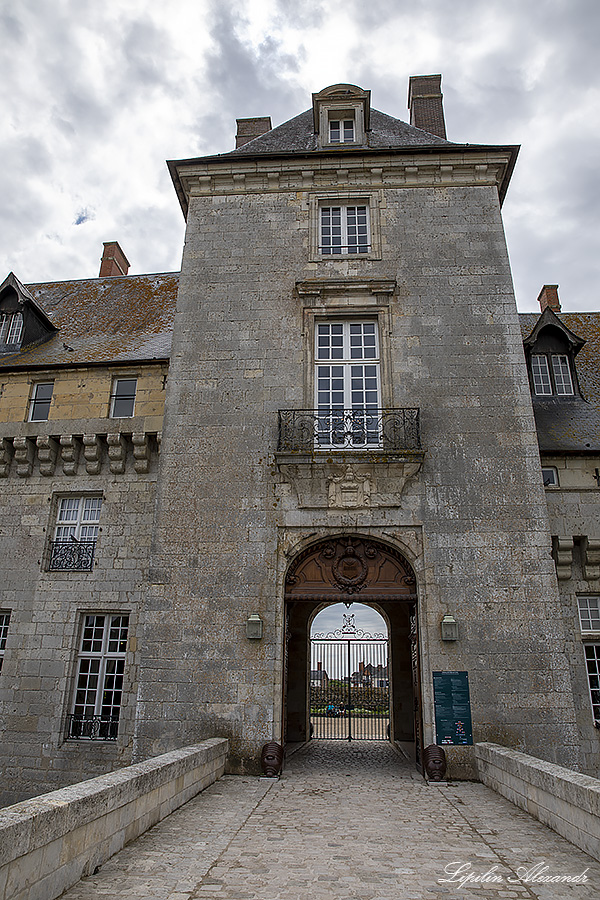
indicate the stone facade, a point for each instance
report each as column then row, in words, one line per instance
column 198, row 539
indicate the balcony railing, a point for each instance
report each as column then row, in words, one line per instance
column 93, row 728
column 388, row 430
column 71, row 556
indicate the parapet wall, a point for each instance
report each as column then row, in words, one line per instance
column 566, row 801
column 49, row 842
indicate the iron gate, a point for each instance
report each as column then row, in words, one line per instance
column 349, row 685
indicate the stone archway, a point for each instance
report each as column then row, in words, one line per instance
column 349, row 568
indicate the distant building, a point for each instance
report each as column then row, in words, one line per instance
column 319, row 677
column 335, row 400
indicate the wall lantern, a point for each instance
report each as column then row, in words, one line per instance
column 449, row 628
column 254, row 627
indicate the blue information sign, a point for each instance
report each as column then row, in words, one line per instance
column 453, row 723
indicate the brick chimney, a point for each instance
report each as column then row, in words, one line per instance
column 319, row 666
column 248, row 129
column 114, row 261
column 425, row 103
column 549, row 298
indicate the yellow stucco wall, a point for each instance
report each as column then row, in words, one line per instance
column 83, row 393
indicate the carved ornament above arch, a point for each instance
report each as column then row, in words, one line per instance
column 348, row 569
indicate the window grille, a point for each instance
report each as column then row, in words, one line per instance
column 100, row 672
column 75, row 534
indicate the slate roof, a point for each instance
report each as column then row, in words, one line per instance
column 572, row 425
column 102, row 320
column 298, row 135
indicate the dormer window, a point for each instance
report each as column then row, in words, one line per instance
column 551, row 349
column 341, row 115
column 551, row 374
column 22, row 320
column 11, row 329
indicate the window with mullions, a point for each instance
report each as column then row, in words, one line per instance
column 11, row 328
column 39, row 405
column 122, row 399
column 341, row 131
column 344, row 230
column 589, row 613
column 551, row 375
column 592, row 660
column 347, row 388
column 75, row 534
column 100, row 672
column 4, row 623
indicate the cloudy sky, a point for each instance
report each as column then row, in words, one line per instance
column 96, row 96
column 365, row 619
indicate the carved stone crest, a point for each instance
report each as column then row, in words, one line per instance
column 348, row 490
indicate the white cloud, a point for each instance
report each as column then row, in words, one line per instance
column 103, row 94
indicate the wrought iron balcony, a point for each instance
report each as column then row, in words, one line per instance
column 71, row 556
column 93, row 728
column 387, row 430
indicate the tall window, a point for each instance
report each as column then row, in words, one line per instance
column 592, row 660
column 4, row 623
column 341, row 131
column 344, row 230
column 100, row 670
column 122, row 398
column 11, row 328
column 39, row 405
column 589, row 617
column 75, row 534
column 551, row 375
column 347, row 384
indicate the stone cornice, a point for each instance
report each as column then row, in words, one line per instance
column 78, row 454
column 446, row 167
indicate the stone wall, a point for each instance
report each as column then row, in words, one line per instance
column 83, row 393
column 47, row 607
column 574, row 510
column 564, row 800
column 49, row 843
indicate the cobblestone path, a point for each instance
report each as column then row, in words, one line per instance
column 345, row 822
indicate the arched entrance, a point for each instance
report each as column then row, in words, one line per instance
column 347, row 569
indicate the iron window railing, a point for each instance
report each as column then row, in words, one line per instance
column 390, row 430
column 71, row 556
column 93, row 728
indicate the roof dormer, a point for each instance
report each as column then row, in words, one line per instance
column 22, row 321
column 341, row 115
column 551, row 349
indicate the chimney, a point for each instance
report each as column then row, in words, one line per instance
column 425, row 103
column 114, row 261
column 248, row 129
column 549, row 298
column 319, row 666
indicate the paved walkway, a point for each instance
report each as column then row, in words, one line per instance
column 345, row 822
